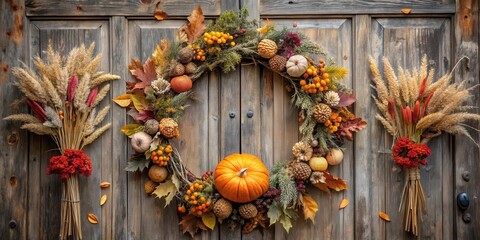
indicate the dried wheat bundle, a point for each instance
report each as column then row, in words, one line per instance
column 63, row 96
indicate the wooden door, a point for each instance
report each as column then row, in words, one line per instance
column 217, row 124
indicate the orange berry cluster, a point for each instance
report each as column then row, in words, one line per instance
column 198, row 53
column 219, row 38
column 333, row 123
column 315, row 80
column 199, row 204
column 60, row 115
column 162, row 155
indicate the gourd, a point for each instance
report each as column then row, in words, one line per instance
column 296, row 65
column 241, row 178
column 181, row 83
column 318, row 163
column 334, row 156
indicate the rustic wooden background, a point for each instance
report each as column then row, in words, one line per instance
column 349, row 30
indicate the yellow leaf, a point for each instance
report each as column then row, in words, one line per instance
column 310, row 207
column 123, row 100
column 406, row 11
column 166, row 190
column 264, row 29
column 161, row 50
column 130, row 129
column 139, row 101
column 384, row 216
column 195, row 26
column 209, row 220
column 343, row 203
column 107, row 184
column 92, row 218
column 103, row 199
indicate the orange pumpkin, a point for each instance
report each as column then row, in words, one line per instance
column 241, row 178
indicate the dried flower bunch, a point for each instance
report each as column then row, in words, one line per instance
column 63, row 97
column 414, row 109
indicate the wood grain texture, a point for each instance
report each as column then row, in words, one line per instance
column 283, row 7
column 14, row 158
column 467, row 153
column 119, row 7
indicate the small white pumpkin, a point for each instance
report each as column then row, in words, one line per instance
column 296, row 65
column 141, row 142
column 334, row 156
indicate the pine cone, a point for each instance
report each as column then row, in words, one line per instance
column 190, row 68
column 222, row 208
column 248, row 210
column 176, row 69
column 169, row 128
column 301, row 171
column 151, row 126
column 317, row 177
column 149, row 186
column 302, row 151
column 321, row 112
column 185, row 55
column 267, row 48
column 277, row 63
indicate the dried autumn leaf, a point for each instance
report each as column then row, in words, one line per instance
column 92, row 218
column 406, row 10
column 264, row 29
column 145, row 75
column 123, row 100
column 134, row 64
column 384, row 216
column 334, row 183
column 323, row 187
column 182, row 36
column 310, row 207
column 161, row 50
column 209, row 220
column 103, row 199
column 195, row 26
column 348, row 128
column 106, row 184
column 166, row 190
column 191, row 224
column 129, row 130
column 159, row 14
column 343, row 203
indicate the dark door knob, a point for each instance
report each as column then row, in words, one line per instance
column 463, row 201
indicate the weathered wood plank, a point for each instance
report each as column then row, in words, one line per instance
column 118, row 8
column 314, row 7
column 14, row 158
column 466, row 153
column 118, row 190
column 369, row 159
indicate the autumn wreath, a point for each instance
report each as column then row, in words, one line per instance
column 240, row 191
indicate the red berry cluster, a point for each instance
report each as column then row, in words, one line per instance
column 267, row 198
column 71, row 162
column 408, row 154
column 301, row 188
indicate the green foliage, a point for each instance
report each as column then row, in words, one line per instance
column 169, row 105
column 305, row 103
column 232, row 22
column 137, row 162
column 277, row 35
column 230, row 60
column 281, row 179
column 277, row 213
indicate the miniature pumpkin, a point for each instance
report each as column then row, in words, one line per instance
column 241, row 178
column 318, row 164
column 334, row 156
column 296, row 65
column 181, row 83
column 141, row 142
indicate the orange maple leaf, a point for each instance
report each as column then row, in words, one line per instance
column 145, row 75
column 195, row 26
column 334, row 183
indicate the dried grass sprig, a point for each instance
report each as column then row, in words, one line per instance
column 22, row 117
column 95, row 135
column 101, row 95
column 38, row 128
column 103, row 78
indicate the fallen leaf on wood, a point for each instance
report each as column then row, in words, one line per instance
column 334, row 183
column 123, row 100
column 343, row 203
column 159, row 14
column 92, row 218
column 103, row 199
column 191, row 224
column 323, row 187
column 384, row 216
column 209, row 220
column 104, row 184
column 195, row 26
column 406, row 10
column 310, row 207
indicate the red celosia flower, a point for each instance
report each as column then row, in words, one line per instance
column 289, row 42
column 71, row 162
column 408, row 154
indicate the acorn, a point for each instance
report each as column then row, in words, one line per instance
column 176, row 69
column 185, row 55
column 190, row 68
